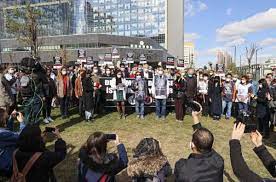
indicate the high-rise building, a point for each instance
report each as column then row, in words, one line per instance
column 55, row 16
column 223, row 57
column 161, row 20
column 189, row 54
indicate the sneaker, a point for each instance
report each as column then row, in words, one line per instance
column 227, row 118
column 50, row 119
column 179, row 121
column 138, row 116
column 163, row 118
column 45, row 121
column 157, row 117
column 124, row 116
column 142, row 117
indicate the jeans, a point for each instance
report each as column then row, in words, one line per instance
column 64, row 104
column 32, row 109
column 160, row 107
column 140, row 108
column 227, row 104
column 243, row 107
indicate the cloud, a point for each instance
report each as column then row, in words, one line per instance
column 229, row 11
column 211, row 51
column 191, row 7
column 235, row 42
column 268, row 42
column 258, row 22
column 191, row 36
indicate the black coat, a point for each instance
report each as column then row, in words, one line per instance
column 179, row 88
column 88, row 93
column 200, row 167
column 262, row 103
column 191, row 90
column 216, row 99
column 42, row 170
column 239, row 166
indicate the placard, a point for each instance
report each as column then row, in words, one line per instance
column 81, row 53
column 170, row 62
column 220, row 67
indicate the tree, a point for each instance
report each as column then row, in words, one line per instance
column 232, row 68
column 249, row 54
column 23, row 24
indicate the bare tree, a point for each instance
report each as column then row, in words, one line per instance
column 249, row 54
column 23, row 24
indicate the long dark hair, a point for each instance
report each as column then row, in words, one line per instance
column 96, row 146
column 3, row 118
column 118, row 80
column 30, row 139
column 148, row 147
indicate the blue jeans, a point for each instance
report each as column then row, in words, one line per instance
column 140, row 107
column 227, row 104
column 243, row 107
column 160, row 107
column 32, row 109
column 64, row 105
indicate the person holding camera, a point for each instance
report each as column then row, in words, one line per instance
column 239, row 166
column 204, row 163
column 118, row 85
column 8, row 139
column 149, row 163
column 96, row 164
column 140, row 88
column 179, row 88
column 31, row 160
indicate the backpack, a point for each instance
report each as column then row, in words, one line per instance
column 21, row 176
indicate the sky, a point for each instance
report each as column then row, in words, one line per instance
column 215, row 25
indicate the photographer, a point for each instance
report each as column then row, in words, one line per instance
column 98, row 165
column 204, row 163
column 240, row 168
column 31, row 144
column 8, row 139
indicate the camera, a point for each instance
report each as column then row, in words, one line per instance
column 49, row 129
column 249, row 120
column 110, row 136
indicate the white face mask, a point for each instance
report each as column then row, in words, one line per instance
column 63, row 72
column 108, row 72
column 205, row 78
column 95, row 71
column 146, row 70
column 201, row 78
column 260, row 86
column 228, row 79
column 138, row 77
column 160, row 72
column 235, row 79
column 119, row 76
column 242, row 81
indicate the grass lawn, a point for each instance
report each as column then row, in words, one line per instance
column 174, row 139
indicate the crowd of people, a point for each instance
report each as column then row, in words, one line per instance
column 23, row 154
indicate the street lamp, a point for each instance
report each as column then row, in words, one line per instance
column 257, row 54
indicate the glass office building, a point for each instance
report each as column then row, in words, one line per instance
column 54, row 20
column 121, row 17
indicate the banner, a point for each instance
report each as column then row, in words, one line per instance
column 81, row 53
column 108, row 59
column 220, row 67
column 143, row 59
column 129, row 59
column 150, row 101
column 57, row 62
column 170, row 62
column 180, row 64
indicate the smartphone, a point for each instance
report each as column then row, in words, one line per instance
column 110, row 136
column 49, row 129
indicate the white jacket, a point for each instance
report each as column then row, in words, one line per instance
column 114, row 88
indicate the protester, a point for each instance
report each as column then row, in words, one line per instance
column 10, row 81
column 263, row 97
column 191, row 80
column 147, row 73
column 51, row 93
column 239, row 166
column 272, row 105
column 242, row 95
column 140, row 88
column 228, row 89
column 98, row 105
column 179, row 88
column 8, row 139
column 160, row 91
column 215, row 92
column 202, row 90
column 204, row 163
column 125, row 73
column 254, row 84
column 64, row 92
column 79, row 91
column 88, row 96
column 118, row 85
column 108, row 72
column 31, row 146
column 5, row 98
column 149, row 163
column 96, row 164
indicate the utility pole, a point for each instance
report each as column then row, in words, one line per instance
column 1, row 61
column 257, row 54
column 240, row 62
